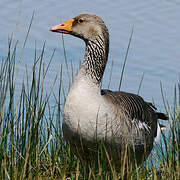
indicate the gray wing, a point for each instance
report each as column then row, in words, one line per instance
column 136, row 109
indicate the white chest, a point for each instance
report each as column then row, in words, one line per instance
column 85, row 109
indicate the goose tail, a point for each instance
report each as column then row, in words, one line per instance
column 162, row 116
column 160, row 127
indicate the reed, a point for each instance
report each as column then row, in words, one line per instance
column 31, row 140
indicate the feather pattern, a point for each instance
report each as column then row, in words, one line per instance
column 119, row 118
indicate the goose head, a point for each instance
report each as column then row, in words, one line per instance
column 85, row 26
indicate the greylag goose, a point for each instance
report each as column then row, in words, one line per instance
column 121, row 120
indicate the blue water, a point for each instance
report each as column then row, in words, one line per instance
column 154, row 50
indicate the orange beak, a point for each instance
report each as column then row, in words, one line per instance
column 65, row 27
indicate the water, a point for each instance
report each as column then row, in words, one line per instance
column 154, row 48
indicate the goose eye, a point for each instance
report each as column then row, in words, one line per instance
column 80, row 20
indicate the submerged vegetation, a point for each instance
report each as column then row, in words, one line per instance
column 31, row 140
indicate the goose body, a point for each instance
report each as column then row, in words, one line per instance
column 91, row 113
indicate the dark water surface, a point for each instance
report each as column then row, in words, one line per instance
column 154, row 51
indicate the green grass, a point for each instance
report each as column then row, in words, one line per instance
column 31, row 143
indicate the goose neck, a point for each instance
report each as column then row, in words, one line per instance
column 96, row 55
